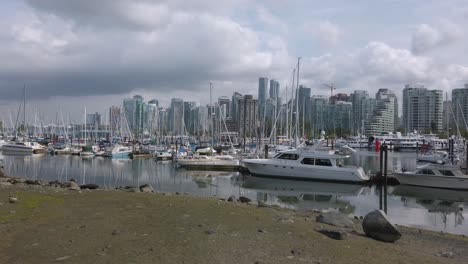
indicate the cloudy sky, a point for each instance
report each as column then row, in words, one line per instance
column 88, row 53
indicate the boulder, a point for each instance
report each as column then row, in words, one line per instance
column 33, row 182
column 134, row 189
column 73, row 186
column 244, row 199
column 335, row 219
column 146, row 188
column 335, row 234
column 90, row 186
column 231, row 198
column 377, row 226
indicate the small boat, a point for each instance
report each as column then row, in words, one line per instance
column 204, row 162
column 448, row 176
column 163, row 156
column 87, row 152
column 118, row 151
column 433, row 157
column 308, row 164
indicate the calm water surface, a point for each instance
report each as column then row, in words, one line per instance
column 411, row 206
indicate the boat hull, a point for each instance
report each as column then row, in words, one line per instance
column 289, row 171
column 434, row 181
column 17, row 148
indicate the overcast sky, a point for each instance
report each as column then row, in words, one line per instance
column 88, row 53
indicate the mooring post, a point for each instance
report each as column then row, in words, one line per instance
column 385, row 178
column 266, row 151
column 379, row 178
column 466, row 159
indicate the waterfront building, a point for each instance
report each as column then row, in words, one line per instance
column 235, row 106
column 93, row 119
column 447, row 115
column 340, row 97
column 382, row 118
column 359, row 99
column 460, row 107
column 224, row 106
column 274, row 89
column 422, row 109
column 134, row 109
column 384, row 93
column 176, row 112
column 114, row 118
column 248, row 116
column 262, row 96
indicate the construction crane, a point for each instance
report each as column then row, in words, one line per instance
column 331, row 86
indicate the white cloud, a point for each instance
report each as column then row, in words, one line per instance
column 324, row 32
column 427, row 38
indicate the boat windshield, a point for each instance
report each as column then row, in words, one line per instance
column 323, row 162
column 426, row 172
column 288, row 156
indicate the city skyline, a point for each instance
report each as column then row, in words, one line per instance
column 80, row 54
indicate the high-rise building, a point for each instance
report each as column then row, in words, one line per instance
column 134, row 113
column 382, row 118
column 384, row 93
column 235, row 106
column 114, row 118
column 224, row 106
column 357, row 98
column 93, row 119
column 176, row 113
column 248, row 114
column 262, row 96
column 460, row 107
column 151, row 115
column 189, row 124
column 422, row 109
column 340, row 97
column 274, row 89
column 154, row 102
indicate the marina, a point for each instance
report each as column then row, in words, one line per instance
column 422, row 207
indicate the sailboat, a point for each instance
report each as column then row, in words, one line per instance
column 22, row 146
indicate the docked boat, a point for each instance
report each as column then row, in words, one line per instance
column 203, row 162
column 23, row 147
column 448, row 176
column 163, row 156
column 118, row 151
column 307, row 164
column 433, row 157
column 87, row 152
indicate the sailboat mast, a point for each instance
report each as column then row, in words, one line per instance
column 24, row 109
column 211, row 114
column 297, row 99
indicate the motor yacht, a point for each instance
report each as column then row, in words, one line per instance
column 118, row 151
column 310, row 164
column 448, row 176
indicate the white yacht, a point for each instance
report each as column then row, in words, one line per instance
column 446, row 176
column 163, row 155
column 433, row 156
column 23, row 147
column 118, row 151
column 307, row 164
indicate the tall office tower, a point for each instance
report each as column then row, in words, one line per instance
column 134, row 113
column 262, row 96
column 151, row 116
column 274, row 89
column 154, row 102
column 235, row 105
column 93, row 119
column 114, row 119
column 248, row 116
column 460, row 107
column 362, row 108
column 176, row 113
column 188, row 124
column 422, row 109
column 384, row 93
column 224, row 104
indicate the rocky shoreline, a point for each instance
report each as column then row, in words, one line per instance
column 195, row 225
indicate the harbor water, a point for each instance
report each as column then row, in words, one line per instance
column 427, row 208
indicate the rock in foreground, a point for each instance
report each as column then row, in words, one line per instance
column 377, row 226
column 335, row 219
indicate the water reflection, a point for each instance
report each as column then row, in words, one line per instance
column 303, row 194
